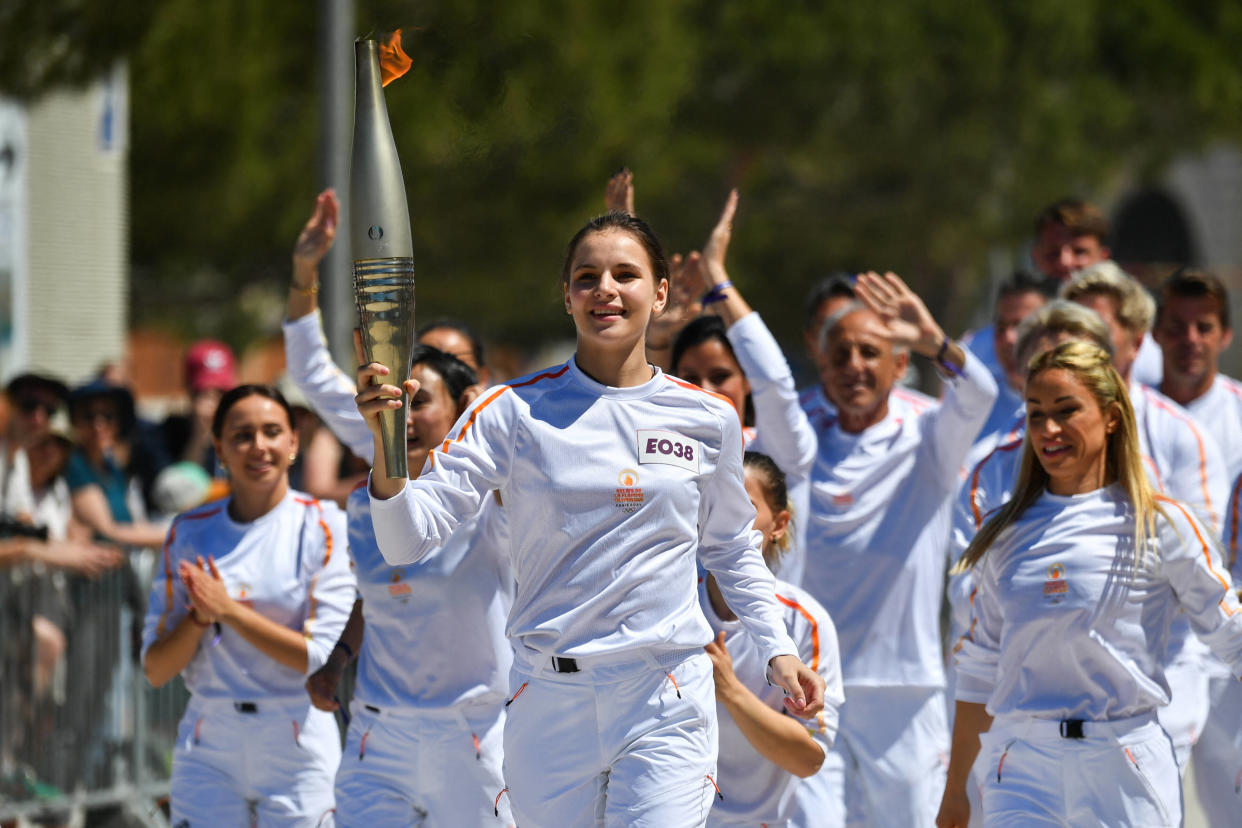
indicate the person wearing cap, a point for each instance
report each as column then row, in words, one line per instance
column 209, row 371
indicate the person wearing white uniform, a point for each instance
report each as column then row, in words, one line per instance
column 251, row 597
column 731, row 352
column 615, row 478
column 1180, row 457
column 1078, row 578
column 764, row 754
column 1193, row 329
column 880, row 501
column 989, row 482
column 423, row 746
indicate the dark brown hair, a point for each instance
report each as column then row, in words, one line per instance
column 625, row 223
column 1081, row 218
column 1192, row 283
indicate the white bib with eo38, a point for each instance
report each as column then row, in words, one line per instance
column 669, row 448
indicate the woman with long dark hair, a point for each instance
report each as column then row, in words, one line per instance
column 251, row 597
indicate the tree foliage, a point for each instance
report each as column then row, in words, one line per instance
column 906, row 135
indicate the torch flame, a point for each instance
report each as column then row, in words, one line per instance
column 393, row 60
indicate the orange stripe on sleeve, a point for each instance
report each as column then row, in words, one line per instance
column 1207, row 551
column 502, row 389
column 168, row 582
column 694, row 387
column 974, row 480
column 1203, row 478
column 814, row 628
column 1233, row 530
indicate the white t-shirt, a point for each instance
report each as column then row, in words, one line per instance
column 1181, row 459
column 291, row 566
column 1059, row 630
column 611, row 493
column 756, row 789
column 1219, row 413
column 435, row 630
column 880, row 509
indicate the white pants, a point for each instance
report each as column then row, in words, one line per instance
column 431, row 768
column 270, row 767
column 621, row 745
column 1122, row 773
column 1218, row 755
column 1186, row 714
column 889, row 760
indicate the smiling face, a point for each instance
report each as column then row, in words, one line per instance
column 711, row 366
column 256, row 443
column 432, row 414
column 859, row 367
column 611, row 291
column 1068, row 430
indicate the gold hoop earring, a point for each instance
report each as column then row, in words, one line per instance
column 293, row 455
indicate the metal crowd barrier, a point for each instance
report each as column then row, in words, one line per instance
column 96, row 738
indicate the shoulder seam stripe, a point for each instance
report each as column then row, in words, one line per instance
column 502, row 389
column 694, row 387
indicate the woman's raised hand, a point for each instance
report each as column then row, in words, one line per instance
column 908, row 320
column 619, row 194
column 318, row 234
column 717, row 246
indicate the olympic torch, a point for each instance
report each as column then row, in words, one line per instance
column 383, row 248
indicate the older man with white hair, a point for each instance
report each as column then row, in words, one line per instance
column 881, row 492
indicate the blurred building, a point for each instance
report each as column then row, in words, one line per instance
column 64, row 230
column 1192, row 215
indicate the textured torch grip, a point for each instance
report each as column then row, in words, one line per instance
column 384, row 295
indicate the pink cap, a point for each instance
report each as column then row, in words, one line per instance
column 209, row 365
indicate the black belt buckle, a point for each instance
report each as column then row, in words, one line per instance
column 1072, row 729
column 245, row 707
column 564, row 665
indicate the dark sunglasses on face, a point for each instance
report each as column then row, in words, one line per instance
column 29, row 405
column 97, row 415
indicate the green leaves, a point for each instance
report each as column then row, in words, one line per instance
column 912, row 136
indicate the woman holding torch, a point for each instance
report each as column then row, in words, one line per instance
column 616, row 479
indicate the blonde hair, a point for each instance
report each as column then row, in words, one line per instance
column 1061, row 317
column 1135, row 307
column 1090, row 365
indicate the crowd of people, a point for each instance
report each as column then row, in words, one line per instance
column 659, row 585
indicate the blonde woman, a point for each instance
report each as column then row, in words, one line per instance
column 1079, row 576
